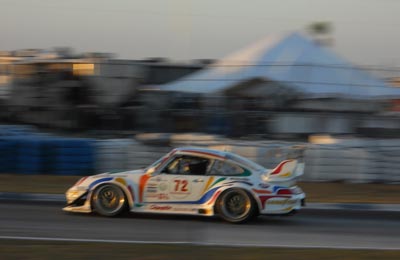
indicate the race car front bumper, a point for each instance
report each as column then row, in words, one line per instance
column 77, row 201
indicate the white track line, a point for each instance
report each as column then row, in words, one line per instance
column 59, row 239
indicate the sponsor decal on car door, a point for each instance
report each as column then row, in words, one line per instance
column 175, row 188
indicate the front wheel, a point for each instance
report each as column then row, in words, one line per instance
column 236, row 206
column 108, row 200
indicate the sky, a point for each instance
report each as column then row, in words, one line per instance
column 365, row 31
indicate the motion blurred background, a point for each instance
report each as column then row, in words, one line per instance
column 269, row 80
column 94, row 86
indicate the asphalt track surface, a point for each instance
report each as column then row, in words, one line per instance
column 311, row 228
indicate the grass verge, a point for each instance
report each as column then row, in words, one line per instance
column 17, row 249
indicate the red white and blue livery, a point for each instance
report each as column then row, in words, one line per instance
column 194, row 181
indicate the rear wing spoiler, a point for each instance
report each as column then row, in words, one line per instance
column 286, row 170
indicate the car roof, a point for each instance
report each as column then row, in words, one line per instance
column 202, row 151
column 218, row 155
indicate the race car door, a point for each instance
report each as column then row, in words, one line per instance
column 182, row 180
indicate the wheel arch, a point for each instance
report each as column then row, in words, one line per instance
column 129, row 195
column 256, row 198
column 246, row 189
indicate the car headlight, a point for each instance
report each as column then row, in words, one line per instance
column 74, row 193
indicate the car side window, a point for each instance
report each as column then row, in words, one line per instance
column 187, row 165
column 226, row 168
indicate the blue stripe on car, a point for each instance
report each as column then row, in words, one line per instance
column 276, row 188
column 202, row 200
column 99, row 181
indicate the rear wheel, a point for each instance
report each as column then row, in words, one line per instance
column 236, row 206
column 108, row 200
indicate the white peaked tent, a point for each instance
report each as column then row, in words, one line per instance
column 293, row 61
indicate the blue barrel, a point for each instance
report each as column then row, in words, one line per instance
column 25, row 151
column 8, row 154
column 29, row 157
column 72, row 156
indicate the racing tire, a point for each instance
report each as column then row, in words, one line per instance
column 236, row 206
column 109, row 200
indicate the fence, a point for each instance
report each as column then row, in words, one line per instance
column 25, row 151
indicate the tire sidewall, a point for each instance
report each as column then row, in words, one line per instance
column 221, row 200
column 95, row 205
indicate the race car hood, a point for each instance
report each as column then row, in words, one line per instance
column 88, row 181
column 138, row 172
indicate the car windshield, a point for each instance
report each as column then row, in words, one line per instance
column 156, row 163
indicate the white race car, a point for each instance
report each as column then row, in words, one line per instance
column 193, row 181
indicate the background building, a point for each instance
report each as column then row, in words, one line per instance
column 287, row 84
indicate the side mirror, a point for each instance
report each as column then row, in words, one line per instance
column 151, row 170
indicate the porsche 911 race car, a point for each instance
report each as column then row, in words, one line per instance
column 193, row 181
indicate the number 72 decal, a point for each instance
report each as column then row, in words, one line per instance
column 180, row 188
column 181, row 185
